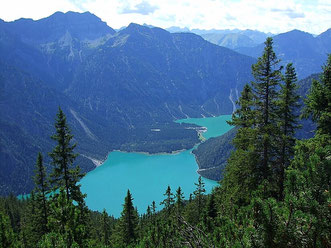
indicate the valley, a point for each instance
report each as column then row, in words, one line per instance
column 147, row 175
column 165, row 124
column 117, row 87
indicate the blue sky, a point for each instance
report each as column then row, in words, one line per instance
column 278, row 16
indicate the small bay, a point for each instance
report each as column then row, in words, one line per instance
column 147, row 176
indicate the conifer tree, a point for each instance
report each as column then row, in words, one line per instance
column 287, row 108
column 153, row 207
column 236, row 185
column 67, row 218
column 318, row 100
column 105, row 227
column 179, row 204
column 128, row 221
column 168, row 201
column 63, row 156
column 267, row 75
column 41, row 191
column 6, row 232
column 199, row 193
column 244, row 116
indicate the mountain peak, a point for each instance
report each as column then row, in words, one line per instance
column 82, row 26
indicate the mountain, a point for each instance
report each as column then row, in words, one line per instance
column 236, row 38
column 324, row 41
column 305, row 51
column 27, row 109
column 116, row 88
column 148, row 75
column 232, row 39
column 82, row 26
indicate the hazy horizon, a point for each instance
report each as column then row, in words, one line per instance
column 312, row 16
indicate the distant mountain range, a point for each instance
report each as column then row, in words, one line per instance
column 115, row 88
column 306, row 52
column 230, row 38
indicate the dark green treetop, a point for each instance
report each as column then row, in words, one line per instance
column 63, row 157
column 318, row 101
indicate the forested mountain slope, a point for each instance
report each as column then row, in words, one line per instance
column 115, row 88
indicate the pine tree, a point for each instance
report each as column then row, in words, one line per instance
column 179, row 204
column 7, row 238
column 105, row 228
column 41, row 191
column 267, row 75
column 128, row 222
column 287, row 108
column 244, row 116
column 199, row 193
column 168, row 201
column 63, row 156
column 317, row 103
column 68, row 219
column 153, row 208
column 236, row 185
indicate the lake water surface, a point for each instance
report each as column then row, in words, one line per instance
column 147, row 176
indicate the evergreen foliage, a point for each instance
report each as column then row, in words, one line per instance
column 63, row 156
column 41, row 191
column 267, row 75
column 168, row 201
column 128, row 223
column 318, row 101
column 290, row 207
column 287, row 105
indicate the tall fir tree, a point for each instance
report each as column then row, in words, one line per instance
column 236, row 186
column 179, row 204
column 199, row 193
column 317, row 103
column 267, row 75
column 168, row 201
column 7, row 238
column 128, row 223
column 63, row 157
column 41, row 190
column 69, row 213
column 288, row 122
column 105, row 228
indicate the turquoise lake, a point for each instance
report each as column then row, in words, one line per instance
column 147, row 176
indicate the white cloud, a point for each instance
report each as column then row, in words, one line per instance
column 266, row 15
column 36, row 9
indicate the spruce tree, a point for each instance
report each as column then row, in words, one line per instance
column 168, row 201
column 63, row 157
column 287, row 108
column 105, row 228
column 41, row 190
column 128, row 222
column 267, row 75
column 199, row 193
column 7, row 238
column 318, row 101
column 236, row 185
column 179, row 204
column 69, row 213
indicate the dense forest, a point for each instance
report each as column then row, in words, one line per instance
column 275, row 191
